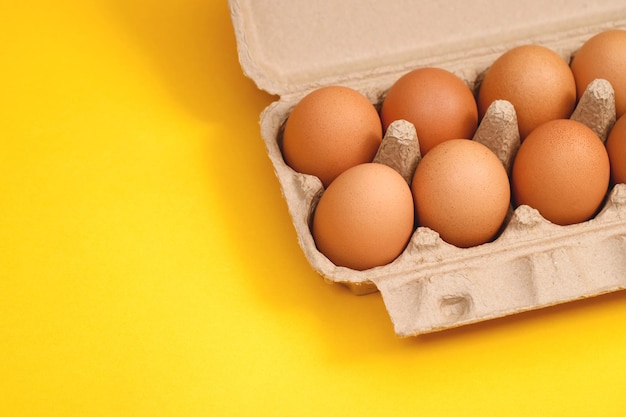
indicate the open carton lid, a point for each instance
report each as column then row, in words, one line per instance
column 289, row 47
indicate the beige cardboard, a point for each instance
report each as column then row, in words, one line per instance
column 289, row 48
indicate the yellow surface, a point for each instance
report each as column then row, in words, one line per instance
column 148, row 266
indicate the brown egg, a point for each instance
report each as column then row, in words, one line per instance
column 603, row 56
column 365, row 217
column 461, row 190
column 616, row 147
column 536, row 80
column 330, row 130
column 562, row 170
column 438, row 103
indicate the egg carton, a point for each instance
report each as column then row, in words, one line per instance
column 433, row 285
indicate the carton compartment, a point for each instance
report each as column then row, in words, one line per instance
column 433, row 285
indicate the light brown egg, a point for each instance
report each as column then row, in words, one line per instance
column 438, row 103
column 536, row 80
column 365, row 217
column 461, row 190
column 603, row 56
column 330, row 130
column 616, row 147
column 562, row 170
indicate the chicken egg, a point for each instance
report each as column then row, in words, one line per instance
column 438, row 103
column 562, row 170
column 603, row 56
column 365, row 217
column 536, row 80
column 616, row 147
column 461, row 191
column 330, row 130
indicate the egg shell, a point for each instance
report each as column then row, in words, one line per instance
column 330, row 130
column 433, row 285
column 364, row 218
column 562, row 170
column 437, row 102
column 536, row 80
column 616, row 148
column 603, row 56
column 461, row 190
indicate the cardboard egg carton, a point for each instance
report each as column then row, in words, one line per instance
column 292, row 48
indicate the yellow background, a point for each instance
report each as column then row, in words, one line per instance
column 148, row 266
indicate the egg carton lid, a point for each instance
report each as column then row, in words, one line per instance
column 288, row 47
